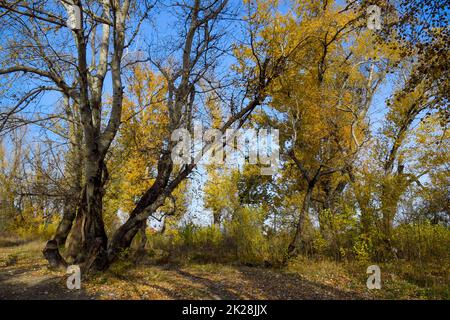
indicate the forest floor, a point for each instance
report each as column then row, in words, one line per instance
column 24, row 275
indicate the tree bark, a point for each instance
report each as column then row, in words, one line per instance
column 140, row 250
column 149, row 203
column 74, row 174
column 54, row 258
column 296, row 244
column 65, row 225
column 88, row 232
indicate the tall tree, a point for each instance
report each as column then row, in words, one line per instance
column 76, row 62
column 324, row 126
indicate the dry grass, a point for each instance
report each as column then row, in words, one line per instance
column 24, row 275
column 400, row 280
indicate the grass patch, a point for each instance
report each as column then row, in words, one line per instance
column 399, row 280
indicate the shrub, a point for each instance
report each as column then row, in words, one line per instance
column 277, row 245
column 338, row 233
column 362, row 249
column 246, row 230
column 208, row 237
column 422, row 241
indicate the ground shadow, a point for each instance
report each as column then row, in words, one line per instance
column 4, row 243
column 52, row 288
column 258, row 283
column 279, row 285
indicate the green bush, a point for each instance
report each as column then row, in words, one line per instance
column 277, row 248
column 187, row 243
column 246, row 230
column 422, row 242
column 362, row 249
column 338, row 233
column 242, row 239
column 208, row 237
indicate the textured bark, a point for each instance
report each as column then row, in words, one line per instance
column 88, row 234
column 123, row 237
column 73, row 172
column 65, row 225
column 143, row 237
column 140, row 250
column 51, row 253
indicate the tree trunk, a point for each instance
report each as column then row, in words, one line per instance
column 51, row 250
column 143, row 237
column 88, row 232
column 149, row 203
column 74, row 174
column 296, row 244
column 87, row 240
column 51, row 253
column 216, row 218
column 64, row 227
column 123, row 237
column 140, row 250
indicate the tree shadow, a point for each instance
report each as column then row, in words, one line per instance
column 53, row 288
column 11, row 271
column 216, row 289
column 261, row 283
column 244, row 283
column 279, row 285
column 213, row 290
column 12, row 242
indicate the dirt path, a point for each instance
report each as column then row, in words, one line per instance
column 32, row 284
column 24, row 274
